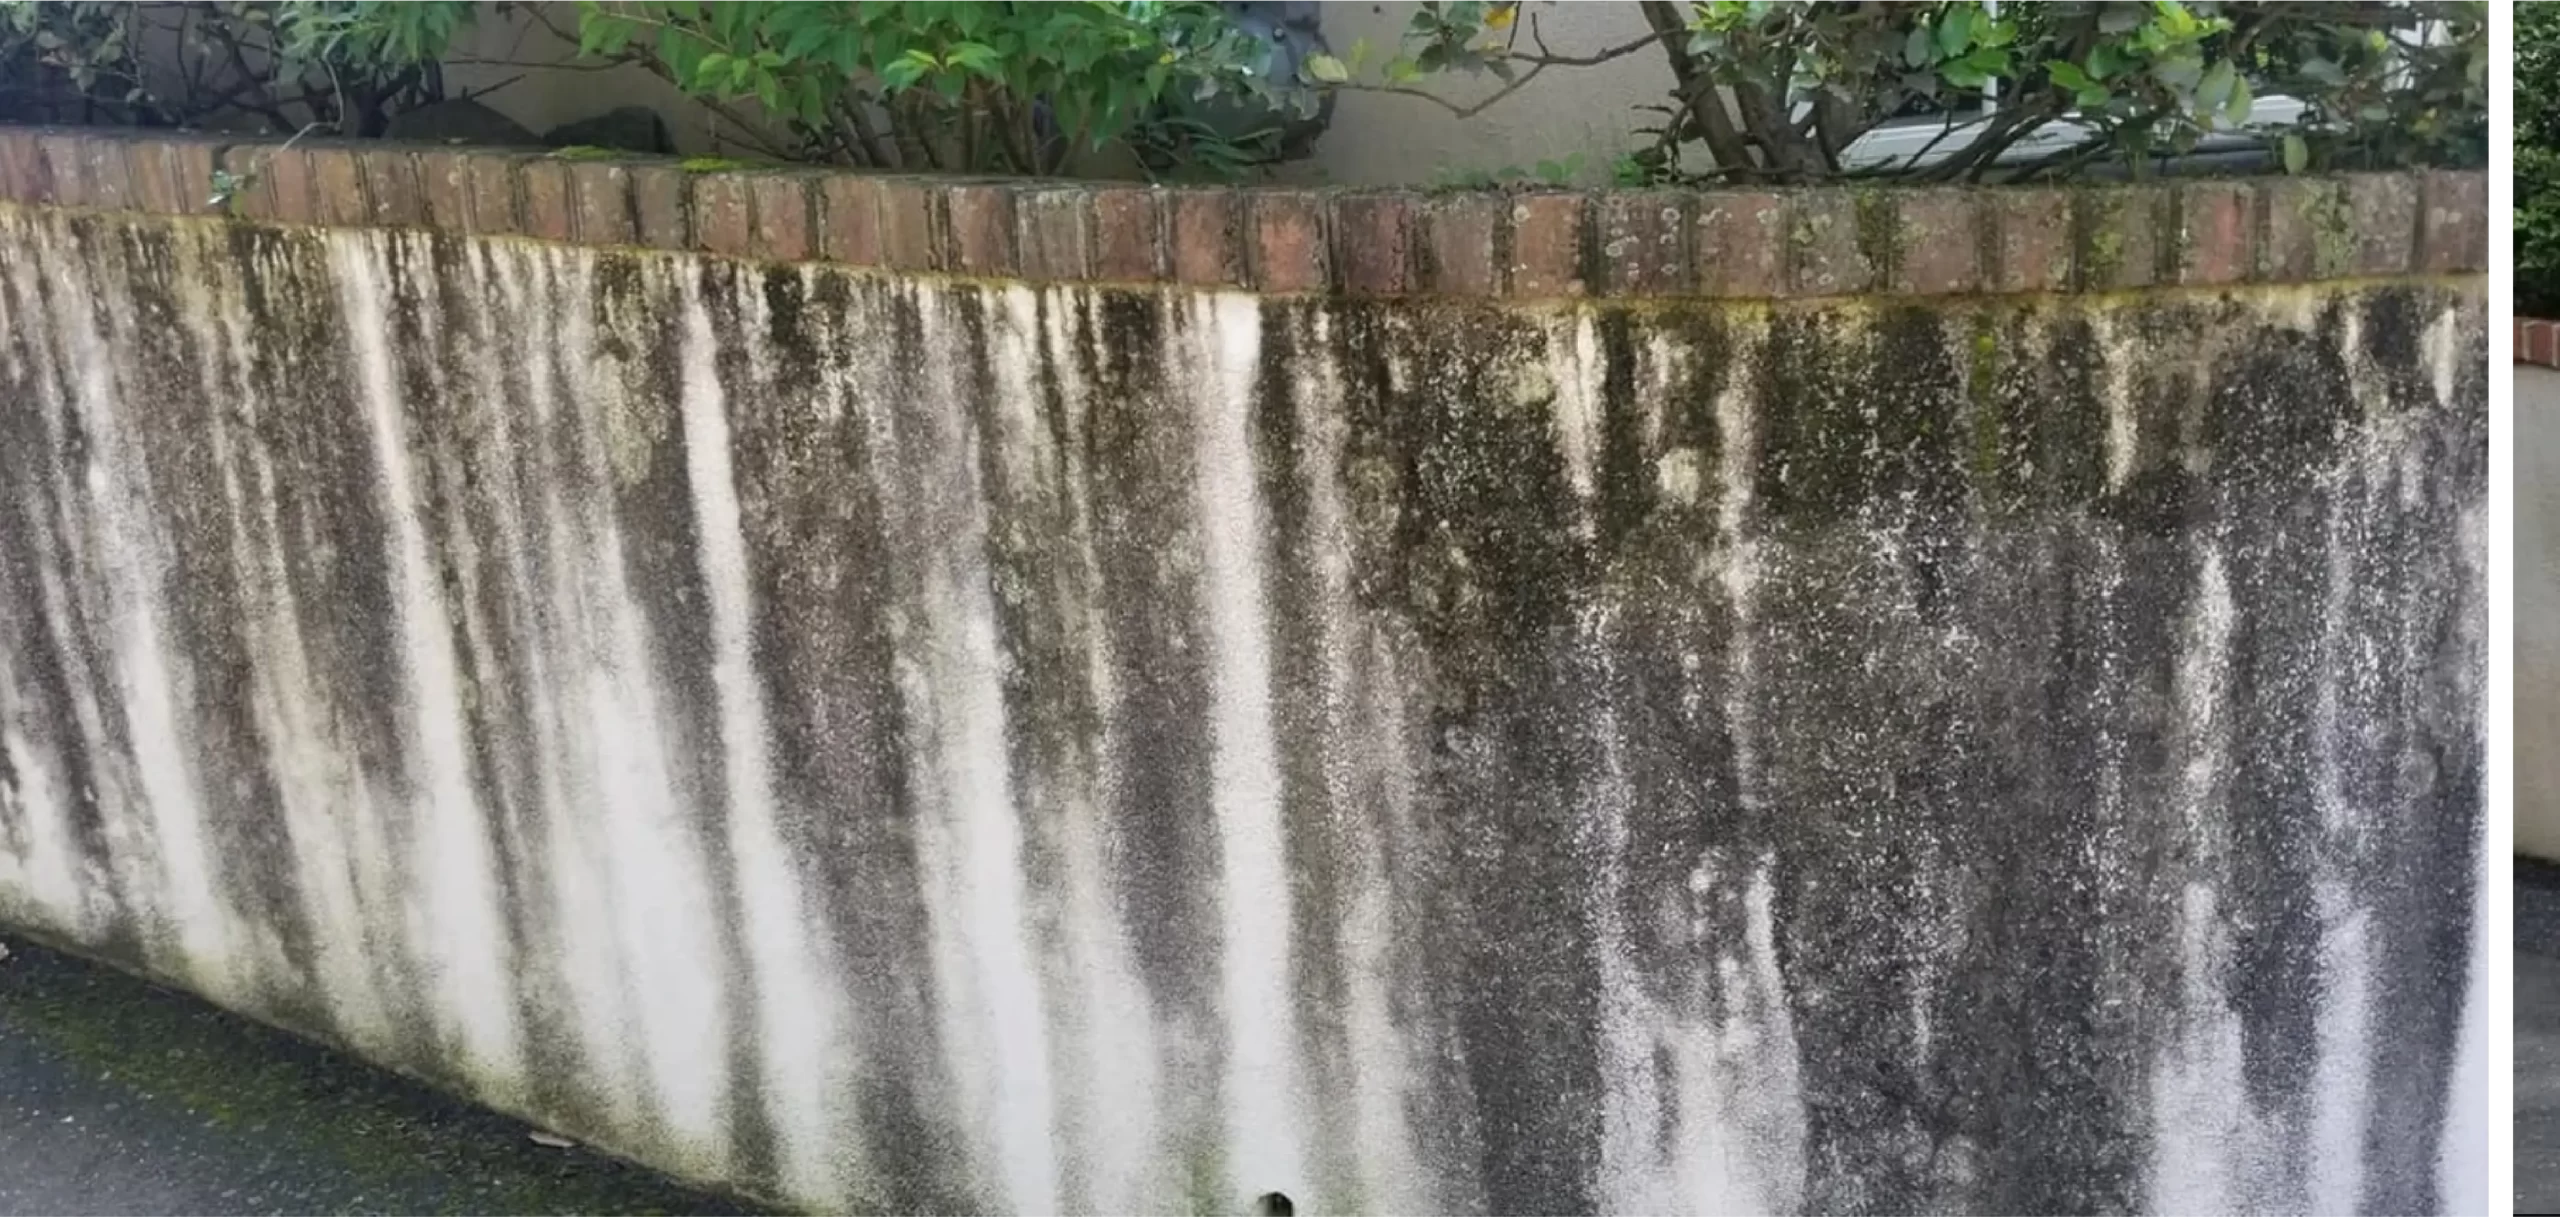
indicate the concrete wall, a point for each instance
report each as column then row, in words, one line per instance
column 905, row 742
column 2537, row 606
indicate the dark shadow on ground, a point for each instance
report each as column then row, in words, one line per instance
column 2537, row 1037
column 119, row 1096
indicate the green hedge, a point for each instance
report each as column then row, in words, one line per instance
column 2537, row 159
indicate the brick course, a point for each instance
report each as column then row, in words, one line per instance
column 1540, row 244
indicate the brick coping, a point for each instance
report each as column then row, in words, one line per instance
column 1724, row 243
column 2537, row 342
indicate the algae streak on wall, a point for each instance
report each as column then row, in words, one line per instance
column 901, row 744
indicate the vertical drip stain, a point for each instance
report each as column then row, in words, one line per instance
column 155, row 830
column 2344, row 1049
column 797, row 1030
column 632, row 889
column 456, row 915
column 1361, row 740
column 1107, row 1041
column 970, row 849
column 2462, row 1178
column 1264, row 1104
column 2209, row 1142
column 1101, row 751
column 44, row 740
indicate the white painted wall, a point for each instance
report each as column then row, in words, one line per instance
column 2537, row 611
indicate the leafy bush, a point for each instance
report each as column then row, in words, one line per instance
column 1780, row 92
column 973, row 86
column 1171, row 85
column 2537, row 159
column 345, row 66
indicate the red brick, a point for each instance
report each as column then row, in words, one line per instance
column 337, row 176
column 1128, row 234
column 292, row 184
column 1740, row 243
column 658, row 204
column 851, row 233
column 108, row 174
column 909, row 235
column 1289, row 250
column 2382, row 214
column 491, row 199
column 191, row 163
column 2455, row 223
column 444, row 189
column 1644, row 242
column 1460, row 235
column 1053, row 235
column 2215, row 221
column 391, row 183
column 785, row 231
column 66, row 159
column 981, row 219
column 600, row 203
column 1938, row 243
column 1372, row 249
column 253, row 196
column 1546, row 246
column 547, row 214
column 24, row 175
column 2541, row 343
column 155, row 186
column 2030, row 240
column 723, row 215
column 1828, row 258
column 1204, row 230
column 2119, row 239
column 2307, row 230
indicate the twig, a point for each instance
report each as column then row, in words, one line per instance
column 1444, row 103
column 471, row 94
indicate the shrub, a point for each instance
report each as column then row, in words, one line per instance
column 345, row 66
column 2537, row 160
column 972, row 86
column 1781, row 92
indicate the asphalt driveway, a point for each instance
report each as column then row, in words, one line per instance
column 118, row 1096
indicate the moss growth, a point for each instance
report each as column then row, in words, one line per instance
column 1981, row 380
column 1880, row 234
column 2333, row 233
column 2106, row 253
column 711, row 164
column 585, row 152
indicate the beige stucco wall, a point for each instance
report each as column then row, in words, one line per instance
column 2537, row 611
column 1379, row 138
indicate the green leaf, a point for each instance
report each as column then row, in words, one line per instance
column 1955, row 31
column 2067, row 75
column 2297, row 154
column 2215, row 89
column 1328, row 69
column 2180, row 72
column 2235, row 110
